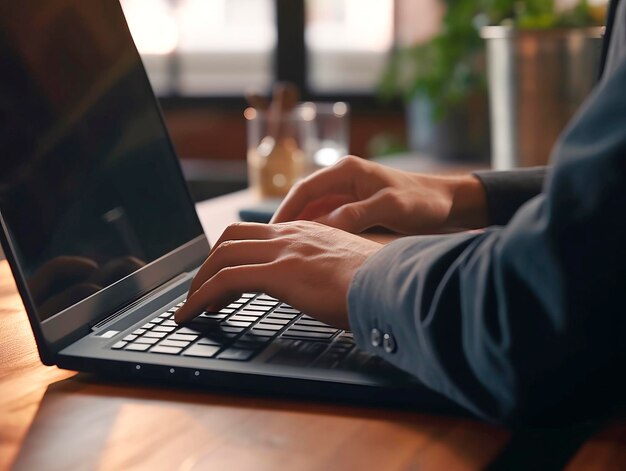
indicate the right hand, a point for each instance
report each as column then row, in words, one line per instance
column 356, row 195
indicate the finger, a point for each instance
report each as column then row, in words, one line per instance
column 323, row 206
column 336, row 179
column 246, row 231
column 223, row 286
column 233, row 253
column 378, row 210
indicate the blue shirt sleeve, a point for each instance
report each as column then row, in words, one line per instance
column 525, row 319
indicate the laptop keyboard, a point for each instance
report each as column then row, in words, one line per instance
column 246, row 327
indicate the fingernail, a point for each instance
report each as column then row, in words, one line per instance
column 178, row 316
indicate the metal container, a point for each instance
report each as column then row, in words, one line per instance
column 537, row 81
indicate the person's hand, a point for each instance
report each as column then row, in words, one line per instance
column 305, row 264
column 356, row 195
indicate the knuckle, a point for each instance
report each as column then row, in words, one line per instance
column 225, row 275
column 350, row 162
column 236, row 225
column 351, row 212
column 232, row 229
column 390, row 196
column 225, row 245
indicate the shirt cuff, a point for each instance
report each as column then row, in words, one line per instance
column 508, row 191
column 382, row 294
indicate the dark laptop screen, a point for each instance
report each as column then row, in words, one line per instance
column 90, row 189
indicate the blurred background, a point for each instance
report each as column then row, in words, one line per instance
column 202, row 55
column 413, row 71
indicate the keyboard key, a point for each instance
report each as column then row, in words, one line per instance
column 248, row 312
column 188, row 331
column 310, row 328
column 257, row 308
column 118, row 345
column 130, row 338
column 137, row 347
column 236, row 354
column 270, row 320
column 260, row 302
column 174, row 343
column 312, row 322
column 278, row 315
column 168, row 314
column 147, row 340
column 243, row 318
column 148, row 326
column 227, row 311
column 139, row 331
column 164, row 328
column 213, row 341
column 201, row 350
column 286, row 310
column 296, row 334
column 265, row 326
column 262, row 333
column 169, row 323
column 237, row 323
column 231, row 330
column 157, row 320
column 248, row 295
column 266, row 297
column 183, row 337
column 155, row 335
column 204, row 322
column 225, row 335
column 212, row 316
column 234, row 305
column 166, row 350
column 254, row 339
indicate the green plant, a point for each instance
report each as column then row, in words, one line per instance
column 451, row 65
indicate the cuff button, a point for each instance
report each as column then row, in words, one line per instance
column 389, row 343
column 376, row 338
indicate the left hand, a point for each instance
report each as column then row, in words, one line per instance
column 305, row 264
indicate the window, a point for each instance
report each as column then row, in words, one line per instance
column 222, row 47
column 204, row 47
column 348, row 42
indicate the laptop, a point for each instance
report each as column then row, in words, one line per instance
column 103, row 238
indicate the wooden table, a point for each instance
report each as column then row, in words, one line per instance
column 52, row 419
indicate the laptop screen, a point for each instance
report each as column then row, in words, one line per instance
column 90, row 190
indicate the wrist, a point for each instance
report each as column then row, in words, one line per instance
column 469, row 203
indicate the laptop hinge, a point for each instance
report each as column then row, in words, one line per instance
column 132, row 304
